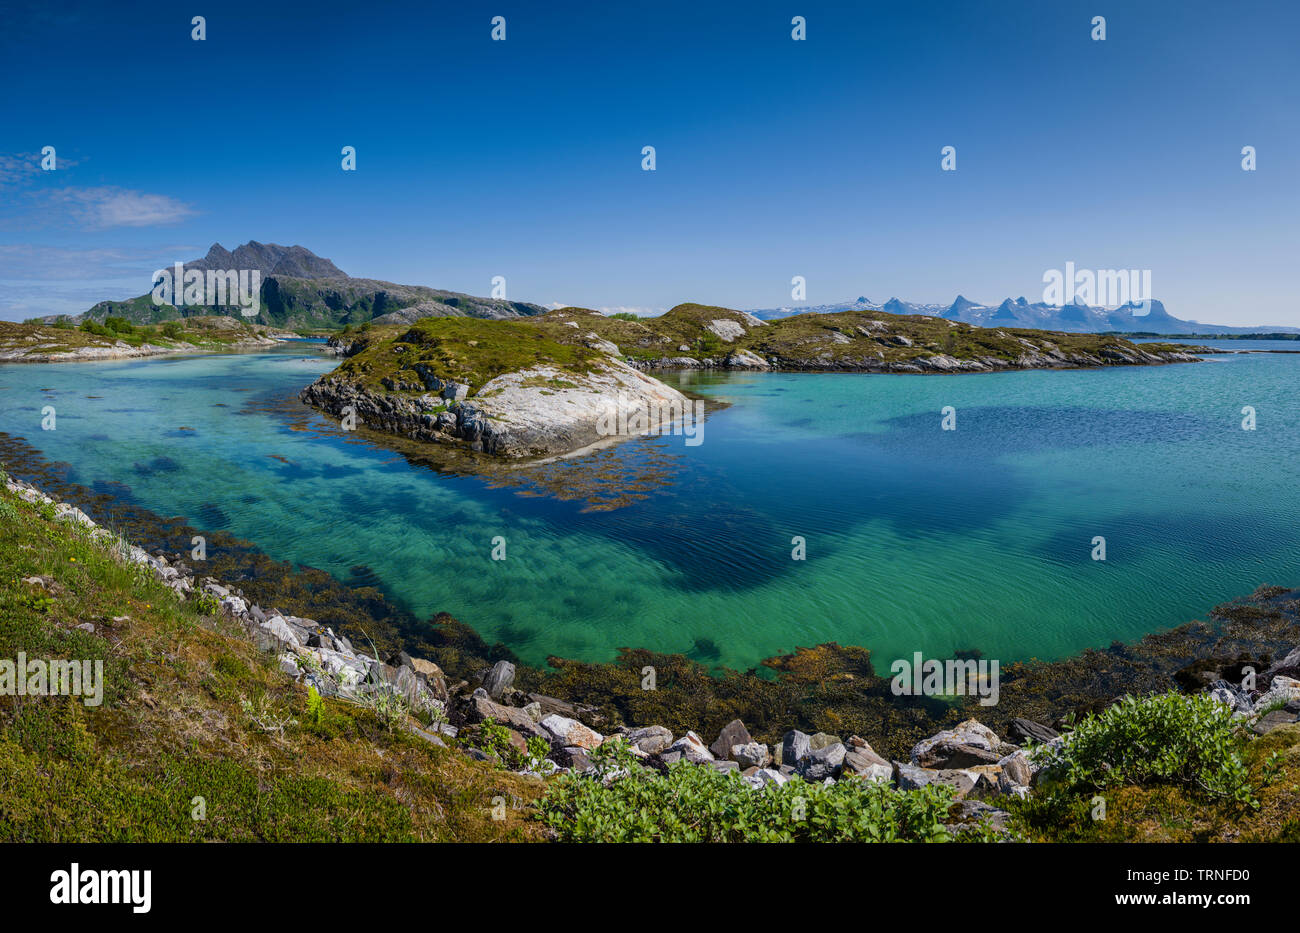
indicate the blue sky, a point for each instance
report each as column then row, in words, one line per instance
column 775, row 158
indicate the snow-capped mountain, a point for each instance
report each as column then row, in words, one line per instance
column 1149, row 316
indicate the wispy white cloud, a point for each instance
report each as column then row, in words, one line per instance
column 31, row 202
column 107, row 207
column 19, row 169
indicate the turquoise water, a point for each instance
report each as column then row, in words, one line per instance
column 917, row 539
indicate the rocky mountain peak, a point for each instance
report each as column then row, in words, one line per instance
column 269, row 259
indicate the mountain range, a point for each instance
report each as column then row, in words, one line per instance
column 1020, row 312
column 302, row 290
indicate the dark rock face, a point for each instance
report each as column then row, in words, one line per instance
column 958, row 755
column 650, row 739
column 914, row 778
column 479, row 707
column 1023, row 729
column 1289, row 665
column 1274, row 720
column 794, row 748
column 822, row 763
column 733, row 733
column 966, row 745
column 269, row 259
column 500, row 679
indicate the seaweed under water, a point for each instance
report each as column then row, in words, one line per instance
column 828, row 687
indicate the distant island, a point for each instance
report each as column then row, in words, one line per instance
column 117, row 338
column 541, row 386
column 1149, row 318
column 515, row 380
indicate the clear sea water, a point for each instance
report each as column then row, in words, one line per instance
column 917, row 539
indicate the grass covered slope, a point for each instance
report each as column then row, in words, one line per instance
column 851, row 340
column 200, row 737
column 190, row 710
column 116, row 337
column 574, row 339
column 464, row 350
column 500, row 387
column 549, row 384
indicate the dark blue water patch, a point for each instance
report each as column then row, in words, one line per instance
column 1201, row 538
column 361, row 575
column 158, row 464
column 353, row 503
column 293, row 470
column 988, row 433
column 64, row 472
column 186, row 432
column 213, row 516
column 705, row 650
column 509, row 633
column 916, row 496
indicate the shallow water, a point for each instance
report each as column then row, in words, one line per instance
column 917, row 539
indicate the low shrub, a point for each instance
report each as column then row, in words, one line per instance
column 1187, row 741
column 693, row 803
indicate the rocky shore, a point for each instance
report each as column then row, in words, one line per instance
column 539, row 411
column 1042, row 356
column 980, row 767
column 28, row 343
column 37, row 352
column 551, row 384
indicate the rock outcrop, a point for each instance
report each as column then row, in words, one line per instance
column 540, row 411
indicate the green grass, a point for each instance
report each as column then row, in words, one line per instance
column 468, row 350
column 208, row 332
column 173, row 725
column 1168, row 768
column 475, row 350
column 693, row 803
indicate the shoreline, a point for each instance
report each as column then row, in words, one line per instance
column 926, row 366
column 848, row 685
column 989, row 777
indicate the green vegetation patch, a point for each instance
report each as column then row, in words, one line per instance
column 468, row 350
column 1188, row 741
column 200, row 736
column 695, row 803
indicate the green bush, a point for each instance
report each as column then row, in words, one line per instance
column 119, row 325
column 171, row 330
column 205, row 604
column 694, row 803
column 99, row 330
column 1188, row 741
